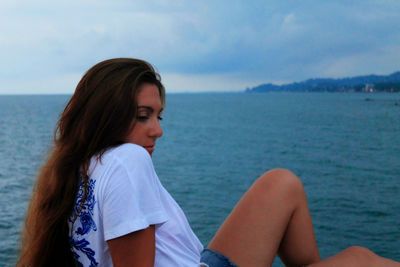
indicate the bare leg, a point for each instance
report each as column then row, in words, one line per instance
column 272, row 217
column 356, row 256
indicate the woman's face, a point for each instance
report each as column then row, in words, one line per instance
column 147, row 127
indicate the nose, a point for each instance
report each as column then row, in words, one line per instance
column 156, row 129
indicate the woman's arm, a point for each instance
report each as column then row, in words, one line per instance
column 134, row 249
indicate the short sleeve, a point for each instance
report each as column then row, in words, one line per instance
column 131, row 196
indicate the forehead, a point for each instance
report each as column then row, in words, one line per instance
column 148, row 95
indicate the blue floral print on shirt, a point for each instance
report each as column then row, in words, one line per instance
column 77, row 241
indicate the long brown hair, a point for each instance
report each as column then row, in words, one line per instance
column 98, row 116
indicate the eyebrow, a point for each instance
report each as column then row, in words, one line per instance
column 150, row 109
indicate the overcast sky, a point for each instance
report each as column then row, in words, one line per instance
column 228, row 45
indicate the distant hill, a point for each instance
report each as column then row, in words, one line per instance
column 368, row 83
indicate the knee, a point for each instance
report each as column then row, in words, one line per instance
column 282, row 181
column 361, row 255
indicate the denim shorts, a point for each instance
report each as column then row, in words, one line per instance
column 211, row 258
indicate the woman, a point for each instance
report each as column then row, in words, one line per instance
column 99, row 202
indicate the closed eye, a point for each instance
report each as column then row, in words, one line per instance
column 142, row 118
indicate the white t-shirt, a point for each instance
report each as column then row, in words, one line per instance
column 125, row 195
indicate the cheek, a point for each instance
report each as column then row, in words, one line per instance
column 131, row 136
column 136, row 134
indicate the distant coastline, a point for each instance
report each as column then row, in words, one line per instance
column 367, row 84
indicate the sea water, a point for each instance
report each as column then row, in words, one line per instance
column 344, row 147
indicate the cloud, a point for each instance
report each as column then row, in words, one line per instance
column 289, row 25
column 256, row 40
column 179, row 83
